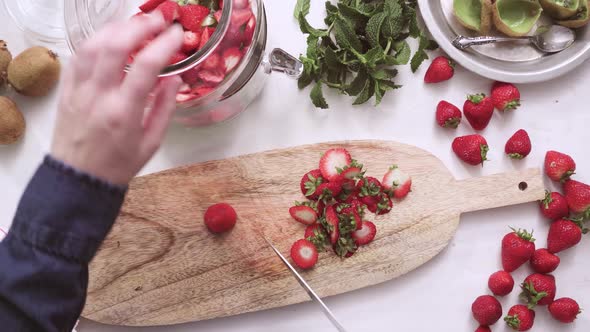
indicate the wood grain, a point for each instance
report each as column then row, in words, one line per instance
column 160, row 265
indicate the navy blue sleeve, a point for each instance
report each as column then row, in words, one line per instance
column 62, row 218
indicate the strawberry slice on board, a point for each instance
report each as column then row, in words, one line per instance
column 304, row 254
column 366, row 234
column 332, row 161
column 332, row 222
column 303, row 214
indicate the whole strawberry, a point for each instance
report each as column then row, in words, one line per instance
column 472, row 149
column 486, row 310
column 478, row 110
column 538, row 289
column 544, row 262
column 505, row 96
column 441, row 69
column 501, row 283
column 559, row 166
column 519, row 145
column 554, row 206
column 447, row 115
column 483, row 328
column 517, row 248
column 564, row 310
column 310, row 182
column 563, row 234
column 520, row 318
column 577, row 195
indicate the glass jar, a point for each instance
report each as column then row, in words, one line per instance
column 209, row 95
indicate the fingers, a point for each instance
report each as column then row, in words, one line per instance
column 143, row 77
column 158, row 119
column 119, row 41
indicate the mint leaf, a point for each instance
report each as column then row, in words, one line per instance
column 431, row 46
column 394, row 23
column 301, row 7
column 357, row 85
column 345, row 35
column 366, row 94
column 308, row 29
column 420, row 54
column 332, row 13
column 374, row 56
column 312, row 46
column 379, row 93
column 373, row 29
column 384, row 74
column 332, row 59
column 304, row 81
column 402, row 55
column 317, row 96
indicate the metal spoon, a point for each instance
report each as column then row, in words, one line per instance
column 553, row 39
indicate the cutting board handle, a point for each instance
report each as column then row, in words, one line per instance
column 499, row 190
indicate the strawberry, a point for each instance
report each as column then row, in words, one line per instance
column 191, row 76
column 517, row 248
column 370, row 186
column 184, row 97
column 519, row 145
column 564, row 310
column 177, row 57
column 220, row 218
column 240, row 4
column 365, row 235
column 240, row 17
column 211, row 77
column 520, row 318
column 249, row 31
column 205, row 35
column 310, row 183
column 332, row 222
column 559, row 166
column 184, row 88
column 397, row 183
column 231, row 58
column 352, row 172
column 303, row 214
column 577, row 195
column 501, row 283
column 447, row 115
column 150, row 5
column 544, row 262
column 202, row 91
column 329, row 190
column 304, row 254
column 345, row 247
column 538, row 289
column 441, row 69
column 483, row 328
column 486, row 310
column 212, row 62
column 472, row 149
column 310, row 231
column 333, row 160
column 190, row 42
column 191, row 17
column 554, row 206
column 384, row 205
column 352, row 214
column 478, row 110
column 563, row 234
column 505, row 96
column 170, row 10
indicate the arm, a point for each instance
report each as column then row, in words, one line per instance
column 103, row 137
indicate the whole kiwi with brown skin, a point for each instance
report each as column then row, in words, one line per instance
column 34, row 72
column 12, row 122
column 5, row 58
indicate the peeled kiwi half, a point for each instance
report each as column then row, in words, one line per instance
column 516, row 18
column 474, row 15
column 560, row 9
column 580, row 19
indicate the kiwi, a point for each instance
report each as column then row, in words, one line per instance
column 12, row 122
column 34, row 72
column 5, row 58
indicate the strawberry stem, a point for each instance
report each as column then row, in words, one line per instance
column 523, row 234
column 476, row 98
column 484, row 152
column 512, row 321
column 547, row 199
column 531, row 295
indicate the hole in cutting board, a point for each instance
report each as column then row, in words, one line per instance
column 523, row 185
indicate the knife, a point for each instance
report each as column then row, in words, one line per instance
column 308, row 289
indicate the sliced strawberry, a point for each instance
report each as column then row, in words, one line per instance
column 370, row 202
column 191, row 42
column 184, row 88
column 176, row 58
column 352, row 173
column 150, row 5
column 170, row 10
column 310, row 182
column 231, row 58
column 191, row 17
column 184, row 97
column 303, row 214
column 202, row 91
column 385, row 205
column 191, row 76
column 240, row 17
column 212, row 62
column 329, row 190
column 205, row 35
column 211, row 77
column 332, row 160
column 352, row 213
column 240, row 4
column 249, row 31
column 396, row 182
column 311, row 230
column 366, row 234
column 370, row 186
column 332, row 220
column 217, row 15
column 304, row 254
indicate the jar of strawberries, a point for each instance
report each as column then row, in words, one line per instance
column 223, row 62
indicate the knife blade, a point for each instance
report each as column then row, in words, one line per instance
column 308, row 289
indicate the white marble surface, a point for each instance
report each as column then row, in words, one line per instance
column 437, row 296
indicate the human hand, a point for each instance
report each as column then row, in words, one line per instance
column 102, row 127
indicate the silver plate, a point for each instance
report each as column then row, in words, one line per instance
column 510, row 62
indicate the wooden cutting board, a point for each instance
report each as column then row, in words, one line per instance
column 160, row 265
